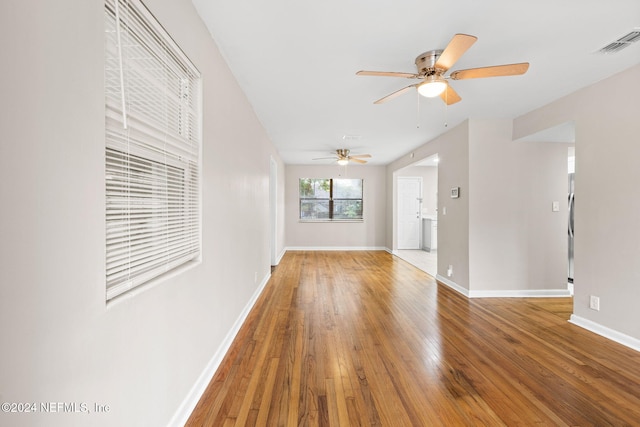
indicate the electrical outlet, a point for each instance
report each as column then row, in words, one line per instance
column 594, row 303
column 255, row 277
column 450, row 271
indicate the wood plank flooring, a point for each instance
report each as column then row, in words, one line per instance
column 366, row 339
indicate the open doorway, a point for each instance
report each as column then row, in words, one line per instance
column 416, row 213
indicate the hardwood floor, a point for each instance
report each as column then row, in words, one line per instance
column 364, row 338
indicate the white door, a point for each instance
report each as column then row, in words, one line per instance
column 409, row 206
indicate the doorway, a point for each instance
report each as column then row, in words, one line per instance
column 421, row 216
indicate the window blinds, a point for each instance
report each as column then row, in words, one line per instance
column 152, row 120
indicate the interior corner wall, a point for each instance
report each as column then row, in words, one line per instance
column 453, row 213
column 607, row 195
column 516, row 241
column 61, row 342
column 368, row 234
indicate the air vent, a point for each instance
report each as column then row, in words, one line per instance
column 624, row 41
column 351, row 137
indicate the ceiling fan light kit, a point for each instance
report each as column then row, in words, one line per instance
column 432, row 86
column 433, row 65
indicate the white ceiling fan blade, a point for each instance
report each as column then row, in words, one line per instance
column 494, row 71
column 352, row 159
column 387, row 74
column 394, row 94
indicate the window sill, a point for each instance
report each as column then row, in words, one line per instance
column 330, row 220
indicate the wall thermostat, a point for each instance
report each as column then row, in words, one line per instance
column 455, row 192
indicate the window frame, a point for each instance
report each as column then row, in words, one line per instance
column 331, row 201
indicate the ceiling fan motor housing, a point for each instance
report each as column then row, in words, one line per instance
column 426, row 62
column 342, row 152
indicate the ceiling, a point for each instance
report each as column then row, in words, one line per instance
column 296, row 62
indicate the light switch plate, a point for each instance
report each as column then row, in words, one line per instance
column 555, row 206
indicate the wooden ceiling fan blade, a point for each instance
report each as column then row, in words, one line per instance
column 458, row 45
column 353, row 159
column 326, row 158
column 494, row 71
column 363, row 156
column 394, row 94
column 450, row 96
column 387, row 74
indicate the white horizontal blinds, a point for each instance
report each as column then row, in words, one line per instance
column 152, row 149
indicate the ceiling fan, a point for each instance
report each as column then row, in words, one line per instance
column 343, row 157
column 432, row 66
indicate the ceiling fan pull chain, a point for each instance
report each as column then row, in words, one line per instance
column 446, row 108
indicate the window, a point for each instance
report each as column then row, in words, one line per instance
column 153, row 119
column 330, row 199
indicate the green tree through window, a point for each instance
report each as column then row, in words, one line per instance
column 330, row 199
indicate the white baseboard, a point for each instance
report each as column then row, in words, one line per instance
column 279, row 257
column 524, row 293
column 453, row 285
column 611, row 334
column 336, row 248
column 184, row 411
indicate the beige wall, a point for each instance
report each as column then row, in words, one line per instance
column 453, row 214
column 369, row 233
column 60, row 342
column 516, row 241
column 607, row 243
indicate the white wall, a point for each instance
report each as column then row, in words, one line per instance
column 60, row 341
column 607, row 242
column 370, row 233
